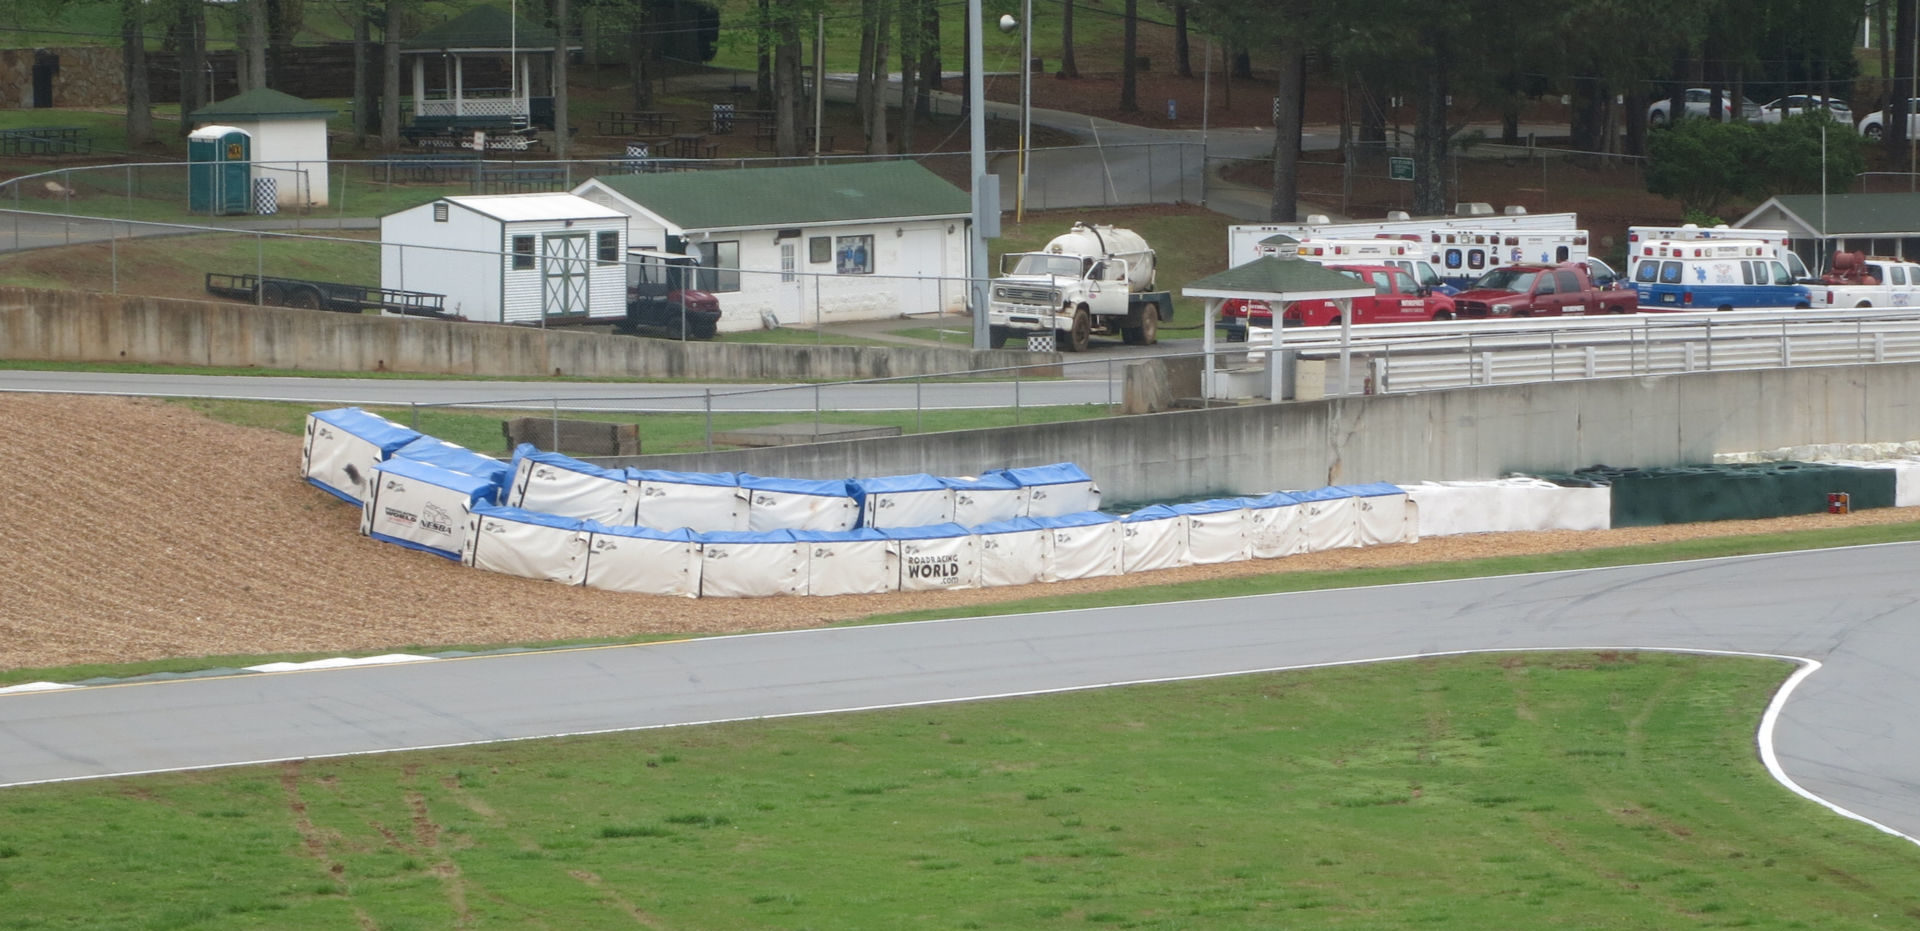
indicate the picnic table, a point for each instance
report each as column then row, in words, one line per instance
column 447, row 132
column 46, row 140
column 692, row 145
column 763, row 137
column 638, row 123
column 514, row 179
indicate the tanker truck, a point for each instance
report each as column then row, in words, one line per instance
column 1090, row 279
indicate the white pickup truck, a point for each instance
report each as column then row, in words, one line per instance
column 1858, row 280
column 1090, row 279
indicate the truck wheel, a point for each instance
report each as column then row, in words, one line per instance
column 1617, row 309
column 1082, row 332
column 1723, row 308
column 1147, row 333
column 997, row 337
column 1443, row 315
column 1864, row 304
column 272, row 294
column 305, row 299
column 703, row 329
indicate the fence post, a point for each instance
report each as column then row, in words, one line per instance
column 113, row 253
column 556, row 423
column 129, row 190
column 259, row 270
column 413, row 414
column 919, row 381
column 816, row 412
column 1110, row 375
column 709, row 419
column 1016, row 394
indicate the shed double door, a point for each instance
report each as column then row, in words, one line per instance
column 563, row 275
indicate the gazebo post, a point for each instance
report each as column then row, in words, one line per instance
column 419, row 86
column 459, row 86
column 1346, row 342
column 1206, row 346
column 1276, row 385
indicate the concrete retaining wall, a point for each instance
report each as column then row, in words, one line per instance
column 1472, row 433
column 81, row 326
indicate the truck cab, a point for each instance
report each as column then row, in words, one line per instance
column 1397, row 298
column 1091, row 279
column 1530, row 290
column 662, row 297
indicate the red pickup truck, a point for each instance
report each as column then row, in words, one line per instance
column 1395, row 299
column 1542, row 291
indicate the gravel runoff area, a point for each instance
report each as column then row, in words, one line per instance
column 140, row 530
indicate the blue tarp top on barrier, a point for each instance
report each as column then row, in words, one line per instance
column 929, row 532
column 1151, row 512
column 1081, row 519
column 992, row 481
column 1060, row 473
column 746, row 536
column 1336, row 492
column 680, row 535
column 524, row 516
column 1373, row 490
column 838, row 536
column 825, row 488
column 1016, row 525
column 895, row 484
column 453, row 456
column 558, row 461
column 1212, row 506
column 716, row 479
column 373, row 428
column 1272, row 499
column 478, row 489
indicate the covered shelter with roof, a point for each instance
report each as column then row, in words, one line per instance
column 1278, row 281
column 805, row 244
column 542, row 259
column 288, row 141
column 484, row 63
column 1876, row 224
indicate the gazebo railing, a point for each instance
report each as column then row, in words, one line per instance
column 469, row 105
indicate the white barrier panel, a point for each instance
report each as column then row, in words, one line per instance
column 343, row 445
column 1217, row 531
column 1153, row 538
column 903, row 501
column 701, row 501
column 453, row 456
column 849, row 562
column 1012, row 552
column 555, row 484
column 1382, row 514
column 747, row 564
column 988, row 499
column 1055, row 490
column 1906, row 477
column 1328, row 519
column 1508, row 505
column 527, row 544
column 643, row 560
column 1275, row 526
column 943, row 556
column 422, row 506
column 1081, row 546
column 798, row 504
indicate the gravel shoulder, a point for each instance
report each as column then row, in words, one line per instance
column 139, row 530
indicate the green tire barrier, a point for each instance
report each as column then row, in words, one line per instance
column 1689, row 494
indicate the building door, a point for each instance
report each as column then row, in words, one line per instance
column 788, row 298
column 45, row 65
column 923, row 256
column 563, row 275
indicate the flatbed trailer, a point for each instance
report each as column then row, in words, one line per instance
column 326, row 295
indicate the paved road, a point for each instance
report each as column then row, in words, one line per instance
column 597, row 396
column 1846, row 734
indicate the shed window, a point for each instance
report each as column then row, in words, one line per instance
column 820, row 250
column 440, row 212
column 853, row 255
column 522, row 253
column 719, row 265
column 607, row 246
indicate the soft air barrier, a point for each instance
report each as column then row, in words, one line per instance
column 986, row 500
column 849, row 562
column 643, row 560
column 1153, row 538
column 1217, row 530
column 1329, row 518
column 701, row 501
column 903, row 501
column 1081, row 546
column 744, row 564
column 798, row 504
column 453, row 456
column 1012, row 552
column 1055, row 490
column 1509, row 505
column 555, row 484
column 343, row 445
column 1275, row 526
column 422, row 506
column 1382, row 514
column 943, row 556
column 527, row 544
column 1906, row 478
column 1652, row 497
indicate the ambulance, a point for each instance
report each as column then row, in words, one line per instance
column 1714, row 274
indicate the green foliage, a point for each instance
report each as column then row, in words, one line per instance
column 1705, row 164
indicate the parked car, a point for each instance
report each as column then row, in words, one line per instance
column 1773, row 111
column 1699, row 102
column 1873, row 125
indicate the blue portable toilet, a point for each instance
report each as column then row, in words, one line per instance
column 219, row 170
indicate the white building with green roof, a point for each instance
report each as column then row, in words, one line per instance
column 807, row 244
column 289, row 141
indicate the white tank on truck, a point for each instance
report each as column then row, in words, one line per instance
column 1090, row 279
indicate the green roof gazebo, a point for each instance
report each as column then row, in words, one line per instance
column 484, row 34
column 1278, row 281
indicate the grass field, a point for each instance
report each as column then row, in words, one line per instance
column 1509, row 791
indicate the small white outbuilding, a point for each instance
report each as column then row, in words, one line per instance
column 545, row 259
column 289, row 138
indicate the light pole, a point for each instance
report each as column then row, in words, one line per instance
column 1026, row 103
column 986, row 188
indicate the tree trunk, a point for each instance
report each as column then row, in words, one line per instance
column 1284, row 207
column 1372, row 134
column 1182, row 58
column 1130, row 58
column 1510, row 107
column 390, row 78
column 763, row 59
column 1430, row 128
column 786, row 80
column 1067, row 67
column 362, row 100
column 283, row 22
column 642, row 46
column 561, row 135
column 877, row 97
column 966, row 71
column 863, row 81
column 253, row 69
column 1636, row 116
column 133, row 53
column 929, row 57
column 1896, row 125
column 193, row 62
column 909, row 81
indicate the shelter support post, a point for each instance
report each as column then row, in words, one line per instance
column 1346, row 341
column 1206, row 348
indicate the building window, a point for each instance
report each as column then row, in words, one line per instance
column 820, row 250
column 607, row 247
column 853, row 255
column 719, row 265
column 440, row 212
column 522, row 253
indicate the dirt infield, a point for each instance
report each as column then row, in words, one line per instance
column 142, row 530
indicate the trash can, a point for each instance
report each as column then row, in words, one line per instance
column 722, row 118
column 637, row 155
column 266, row 195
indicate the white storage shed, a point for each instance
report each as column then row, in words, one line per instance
column 548, row 259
